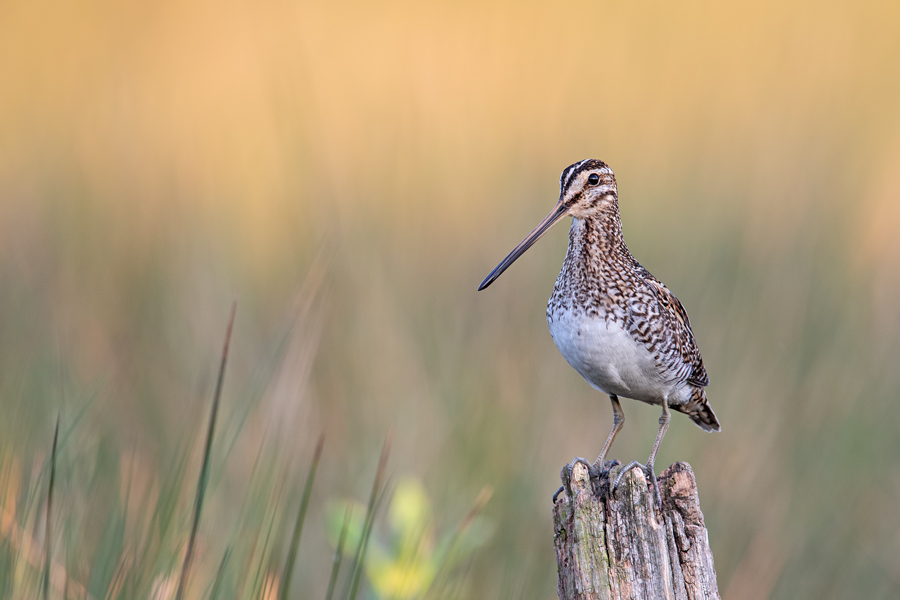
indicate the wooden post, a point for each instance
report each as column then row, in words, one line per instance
column 624, row 546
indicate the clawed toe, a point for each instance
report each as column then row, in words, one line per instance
column 566, row 474
column 656, row 494
column 558, row 492
column 606, row 466
column 624, row 470
column 575, row 461
column 651, row 476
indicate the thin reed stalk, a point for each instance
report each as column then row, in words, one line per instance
column 360, row 556
column 298, row 525
column 338, row 553
column 217, row 583
column 48, row 529
column 204, row 471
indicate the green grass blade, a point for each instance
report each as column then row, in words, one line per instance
column 204, row 471
column 448, row 550
column 217, row 583
column 338, row 554
column 301, row 516
column 366, row 534
column 360, row 556
column 107, row 561
column 49, row 531
column 259, row 578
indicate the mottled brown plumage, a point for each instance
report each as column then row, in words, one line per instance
column 621, row 328
column 601, row 279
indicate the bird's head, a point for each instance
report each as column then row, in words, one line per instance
column 586, row 188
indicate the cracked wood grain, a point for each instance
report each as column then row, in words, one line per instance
column 622, row 546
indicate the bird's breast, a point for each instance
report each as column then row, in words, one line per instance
column 605, row 354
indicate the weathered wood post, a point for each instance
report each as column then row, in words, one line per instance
column 623, row 546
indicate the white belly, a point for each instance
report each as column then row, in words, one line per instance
column 608, row 357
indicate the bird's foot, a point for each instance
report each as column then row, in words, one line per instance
column 651, row 475
column 566, row 475
column 604, row 467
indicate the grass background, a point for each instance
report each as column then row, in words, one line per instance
column 350, row 171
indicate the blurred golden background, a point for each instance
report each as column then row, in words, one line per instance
column 350, row 171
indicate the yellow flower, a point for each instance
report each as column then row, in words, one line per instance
column 403, row 562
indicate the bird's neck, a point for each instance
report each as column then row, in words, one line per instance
column 596, row 259
column 597, row 238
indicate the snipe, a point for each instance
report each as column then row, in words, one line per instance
column 614, row 322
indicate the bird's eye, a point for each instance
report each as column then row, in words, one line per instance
column 594, row 179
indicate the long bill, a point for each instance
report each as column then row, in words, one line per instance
column 549, row 221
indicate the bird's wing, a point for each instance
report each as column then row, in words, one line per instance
column 668, row 326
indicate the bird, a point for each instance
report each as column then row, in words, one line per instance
column 616, row 324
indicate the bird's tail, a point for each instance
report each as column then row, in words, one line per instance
column 698, row 409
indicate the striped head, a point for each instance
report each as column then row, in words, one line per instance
column 586, row 188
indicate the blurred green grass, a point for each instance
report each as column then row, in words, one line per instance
column 350, row 172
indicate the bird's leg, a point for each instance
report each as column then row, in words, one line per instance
column 618, row 422
column 663, row 426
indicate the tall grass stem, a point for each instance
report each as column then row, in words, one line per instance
column 360, row 557
column 48, row 529
column 338, row 553
column 298, row 525
column 204, row 471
